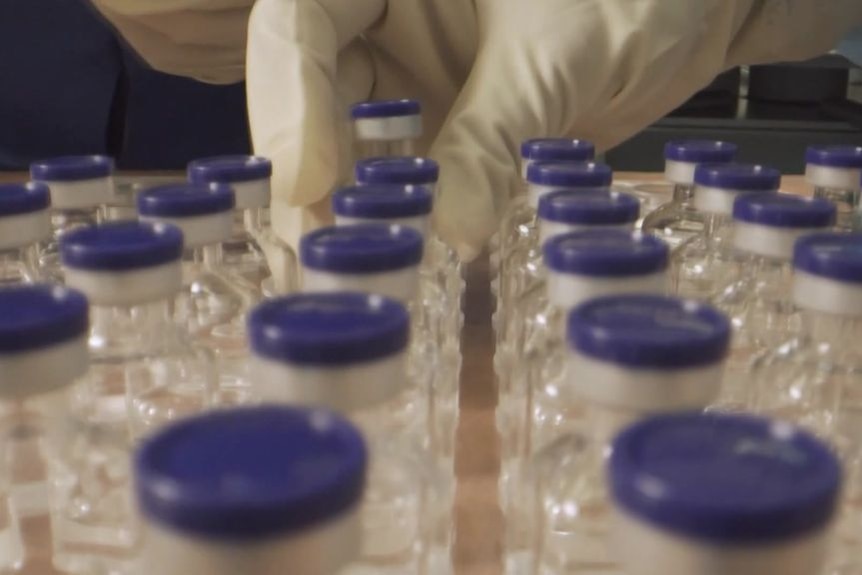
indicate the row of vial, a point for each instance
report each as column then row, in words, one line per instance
column 302, row 489
column 180, row 314
column 730, row 298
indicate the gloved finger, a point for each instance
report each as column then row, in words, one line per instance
column 207, row 44
column 549, row 69
column 292, row 85
column 354, row 81
column 477, row 145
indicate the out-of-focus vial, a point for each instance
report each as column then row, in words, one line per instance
column 348, row 351
column 630, row 356
column 519, row 233
column 43, row 349
column 835, row 172
column 678, row 220
column 559, row 213
column 814, row 379
column 25, row 223
column 385, row 259
column 253, row 249
column 581, row 266
column 707, row 262
column 144, row 370
column 252, row 490
column 540, row 150
column 214, row 299
column 80, row 188
column 759, row 302
column 698, row 494
column 386, row 128
column 443, row 284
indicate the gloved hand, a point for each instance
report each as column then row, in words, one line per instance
column 489, row 73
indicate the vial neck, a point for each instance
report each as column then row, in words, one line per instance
column 210, row 255
column 118, row 323
column 367, row 149
column 19, row 265
column 248, row 222
column 847, row 203
column 847, row 198
column 64, row 219
column 683, row 192
column 718, row 228
column 772, row 279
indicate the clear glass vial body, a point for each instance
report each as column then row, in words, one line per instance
column 677, row 221
column 559, row 212
column 519, row 229
column 81, row 186
column 531, row 408
column 759, row 302
column 562, row 514
column 708, row 262
column 25, row 225
column 212, row 303
column 403, row 513
column 299, row 510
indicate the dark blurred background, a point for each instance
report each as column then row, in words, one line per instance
column 68, row 86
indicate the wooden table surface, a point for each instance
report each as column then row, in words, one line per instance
column 478, row 545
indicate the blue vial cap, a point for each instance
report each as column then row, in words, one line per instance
column 606, row 253
column 649, row 331
column 557, row 150
column 72, row 168
column 37, row 316
column 589, row 207
column 397, row 170
column 361, row 249
column 329, row 329
column 569, row 174
column 727, row 479
column 229, row 169
column 121, row 246
column 784, row 211
column 24, row 198
column 186, row 200
column 700, row 151
column 835, row 156
column 383, row 201
column 251, row 473
column 835, row 256
column 738, row 177
column 385, row 109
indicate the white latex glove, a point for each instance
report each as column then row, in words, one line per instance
column 489, row 73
